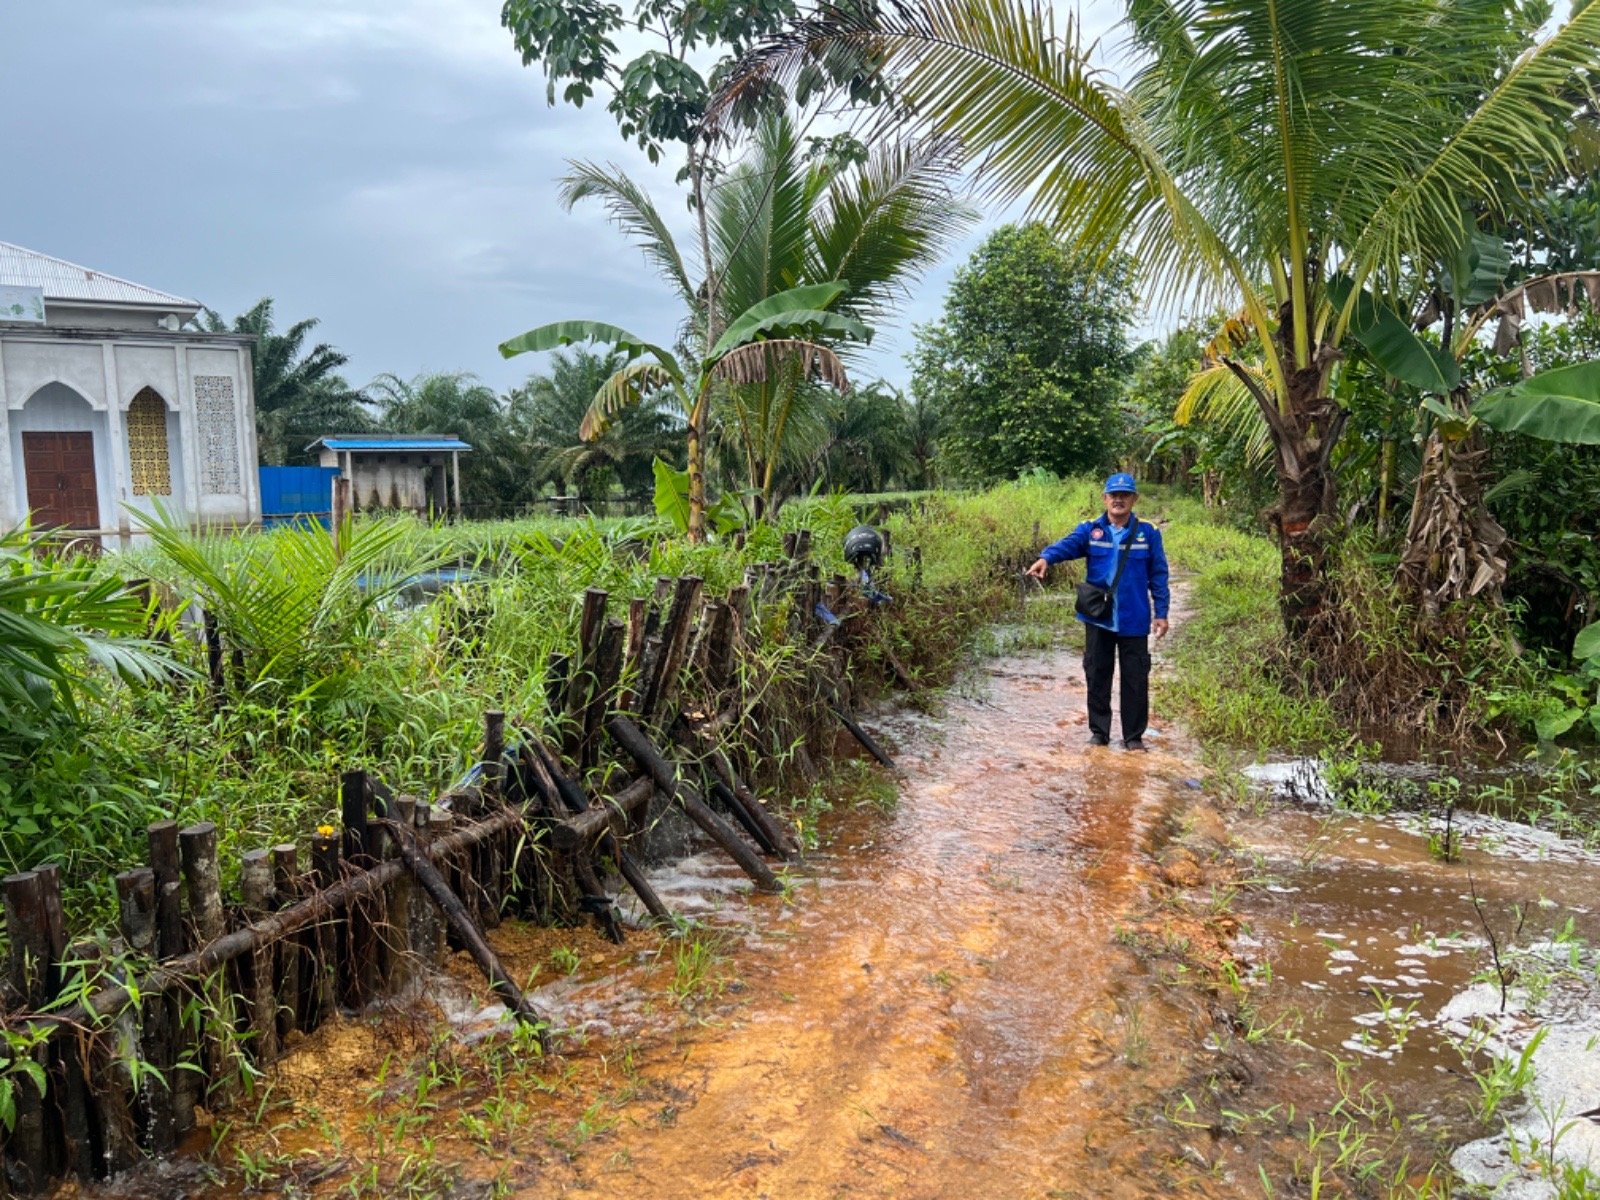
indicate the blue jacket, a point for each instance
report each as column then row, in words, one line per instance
column 1143, row 579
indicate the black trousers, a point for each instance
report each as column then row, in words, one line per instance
column 1102, row 649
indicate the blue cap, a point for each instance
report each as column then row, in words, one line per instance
column 1121, row 482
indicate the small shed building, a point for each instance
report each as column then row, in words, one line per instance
column 418, row 473
column 108, row 403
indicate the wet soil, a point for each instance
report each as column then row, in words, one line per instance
column 1049, row 971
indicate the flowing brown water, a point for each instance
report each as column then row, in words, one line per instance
column 934, row 1026
column 973, row 995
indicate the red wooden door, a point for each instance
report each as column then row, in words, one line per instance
column 60, row 472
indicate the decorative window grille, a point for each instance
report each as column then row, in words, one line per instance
column 149, row 464
column 219, row 435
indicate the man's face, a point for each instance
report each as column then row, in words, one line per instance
column 1119, row 505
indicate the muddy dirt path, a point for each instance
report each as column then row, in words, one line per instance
column 938, row 1023
column 949, row 1005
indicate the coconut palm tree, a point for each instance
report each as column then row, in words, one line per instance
column 779, row 220
column 1252, row 153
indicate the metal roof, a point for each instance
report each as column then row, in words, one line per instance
column 390, row 441
column 68, row 283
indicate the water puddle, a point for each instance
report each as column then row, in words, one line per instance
column 1432, row 978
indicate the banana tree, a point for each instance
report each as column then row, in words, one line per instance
column 782, row 217
column 1453, row 545
column 779, row 333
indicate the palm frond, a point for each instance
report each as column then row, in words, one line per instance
column 631, row 210
column 1038, row 119
column 879, row 228
column 760, row 219
column 1216, row 396
column 1516, row 129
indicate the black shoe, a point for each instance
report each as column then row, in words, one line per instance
column 1134, row 744
column 1097, row 739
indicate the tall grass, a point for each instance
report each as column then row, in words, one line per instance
column 330, row 674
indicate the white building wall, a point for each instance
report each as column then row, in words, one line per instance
column 31, row 365
column 62, row 384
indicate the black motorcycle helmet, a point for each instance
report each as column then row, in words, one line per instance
column 863, row 548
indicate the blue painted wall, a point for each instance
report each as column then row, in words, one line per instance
column 296, row 493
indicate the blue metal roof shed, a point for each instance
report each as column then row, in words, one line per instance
column 390, row 442
column 396, row 470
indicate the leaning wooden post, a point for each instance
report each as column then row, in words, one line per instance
column 563, row 793
column 608, row 669
column 461, row 922
column 675, row 641
column 633, row 652
column 581, row 683
column 26, row 1144
column 650, row 760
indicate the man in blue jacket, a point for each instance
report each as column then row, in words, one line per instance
column 1125, row 636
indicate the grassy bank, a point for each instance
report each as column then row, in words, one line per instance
column 331, row 676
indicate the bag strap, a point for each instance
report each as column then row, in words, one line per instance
column 1122, row 554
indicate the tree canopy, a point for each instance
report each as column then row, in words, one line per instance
column 659, row 95
column 1026, row 365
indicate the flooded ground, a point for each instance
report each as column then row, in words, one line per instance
column 1047, row 971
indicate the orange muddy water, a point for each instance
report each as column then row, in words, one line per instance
column 999, row 989
column 942, row 1008
column 937, row 1022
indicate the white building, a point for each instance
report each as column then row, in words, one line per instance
column 107, row 403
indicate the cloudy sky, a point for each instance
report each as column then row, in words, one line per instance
column 388, row 166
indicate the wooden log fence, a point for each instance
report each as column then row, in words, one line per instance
column 203, row 989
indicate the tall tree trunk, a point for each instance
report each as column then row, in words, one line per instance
column 1307, row 491
column 697, row 415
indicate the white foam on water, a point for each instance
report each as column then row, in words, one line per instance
column 1550, row 1125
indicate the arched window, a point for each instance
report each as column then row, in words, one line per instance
column 149, row 466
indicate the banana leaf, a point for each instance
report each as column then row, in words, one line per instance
column 1393, row 346
column 1560, row 405
column 566, row 333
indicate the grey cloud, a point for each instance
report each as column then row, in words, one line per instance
column 389, row 167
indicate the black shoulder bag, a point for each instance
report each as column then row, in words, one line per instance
column 1095, row 599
